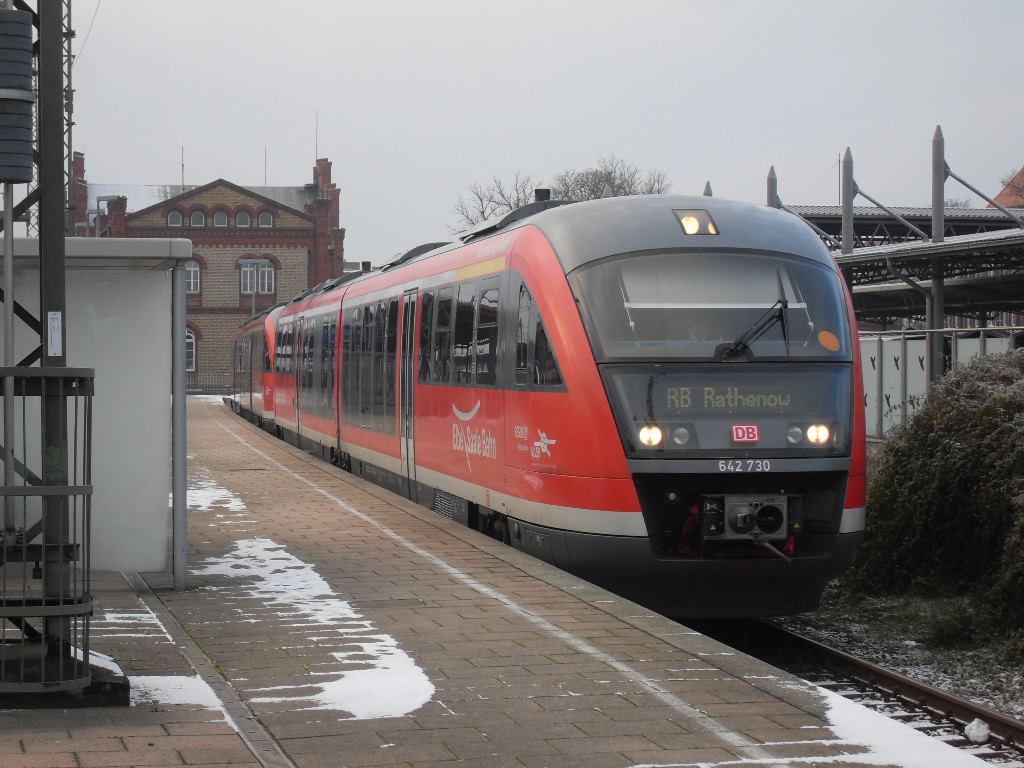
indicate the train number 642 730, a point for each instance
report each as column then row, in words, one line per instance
column 745, row 465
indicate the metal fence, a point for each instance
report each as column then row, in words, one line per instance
column 199, row 381
column 45, row 601
column 895, row 365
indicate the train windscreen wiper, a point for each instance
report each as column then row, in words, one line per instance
column 776, row 314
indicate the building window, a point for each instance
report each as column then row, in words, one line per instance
column 190, row 349
column 174, row 219
column 220, row 219
column 198, row 219
column 243, row 219
column 258, row 276
column 192, row 277
column 266, row 219
column 266, row 278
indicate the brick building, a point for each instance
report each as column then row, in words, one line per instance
column 253, row 247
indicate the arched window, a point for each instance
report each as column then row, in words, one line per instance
column 220, row 219
column 190, row 349
column 174, row 219
column 198, row 219
column 266, row 219
column 243, row 219
column 193, row 273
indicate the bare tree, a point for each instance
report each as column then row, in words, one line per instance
column 958, row 202
column 611, row 176
column 485, row 201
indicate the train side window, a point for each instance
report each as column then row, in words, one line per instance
column 485, row 347
column 545, row 366
column 350, row 364
column 426, row 327
column 523, row 335
column 390, row 353
column 442, row 341
column 380, row 366
column 462, row 359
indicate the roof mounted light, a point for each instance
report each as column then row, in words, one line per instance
column 696, row 222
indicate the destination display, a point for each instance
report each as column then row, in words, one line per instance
column 746, row 407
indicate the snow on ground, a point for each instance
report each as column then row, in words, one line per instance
column 373, row 676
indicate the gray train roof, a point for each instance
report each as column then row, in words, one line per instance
column 588, row 231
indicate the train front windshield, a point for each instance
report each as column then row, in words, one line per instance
column 738, row 353
column 718, row 305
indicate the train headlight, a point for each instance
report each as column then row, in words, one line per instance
column 818, row 434
column 794, row 435
column 650, row 436
column 696, row 222
column 680, row 435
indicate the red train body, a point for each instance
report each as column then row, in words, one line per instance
column 659, row 394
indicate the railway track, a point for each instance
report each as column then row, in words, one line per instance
column 985, row 733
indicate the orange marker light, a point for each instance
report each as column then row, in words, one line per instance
column 829, row 341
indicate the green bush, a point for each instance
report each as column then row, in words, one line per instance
column 946, row 499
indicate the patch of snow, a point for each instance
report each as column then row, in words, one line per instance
column 204, row 495
column 373, row 678
column 187, row 690
column 890, row 742
column 977, row 731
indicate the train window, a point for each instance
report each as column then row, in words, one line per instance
column 390, row 353
column 701, row 305
column 440, row 363
column 485, row 346
column 523, row 335
column 350, row 365
column 545, row 368
column 462, row 359
column 426, row 325
column 535, row 359
column 379, row 382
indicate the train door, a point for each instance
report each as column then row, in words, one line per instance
column 407, row 351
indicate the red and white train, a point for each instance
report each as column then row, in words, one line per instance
column 659, row 394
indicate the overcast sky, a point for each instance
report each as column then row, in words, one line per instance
column 414, row 100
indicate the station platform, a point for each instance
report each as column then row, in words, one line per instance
column 329, row 623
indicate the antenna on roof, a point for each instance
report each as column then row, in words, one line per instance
column 183, row 166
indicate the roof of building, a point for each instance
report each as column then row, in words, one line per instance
column 1012, row 195
column 142, row 196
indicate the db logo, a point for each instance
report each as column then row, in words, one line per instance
column 745, row 433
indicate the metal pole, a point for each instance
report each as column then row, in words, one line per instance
column 179, row 441
column 938, row 185
column 773, row 188
column 848, row 192
column 9, row 521
column 938, row 303
column 52, row 311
